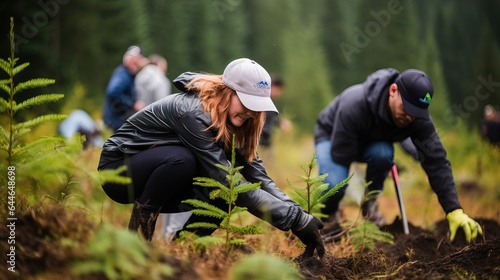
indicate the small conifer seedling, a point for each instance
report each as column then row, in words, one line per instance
column 315, row 191
column 229, row 194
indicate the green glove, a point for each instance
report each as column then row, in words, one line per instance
column 457, row 218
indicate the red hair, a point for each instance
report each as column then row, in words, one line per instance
column 216, row 98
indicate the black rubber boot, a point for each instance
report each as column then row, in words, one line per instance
column 143, row 219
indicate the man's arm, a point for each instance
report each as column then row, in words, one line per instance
column 433, row 158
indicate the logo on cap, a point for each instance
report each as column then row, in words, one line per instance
column 427, row 99
column 262, row 84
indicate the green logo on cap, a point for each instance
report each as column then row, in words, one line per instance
column 427, row 99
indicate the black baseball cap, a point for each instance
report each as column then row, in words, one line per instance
column 417, row 91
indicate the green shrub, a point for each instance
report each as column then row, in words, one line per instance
column 262, row 266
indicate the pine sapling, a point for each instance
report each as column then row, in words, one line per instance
column 315, row 191
column 229, row 194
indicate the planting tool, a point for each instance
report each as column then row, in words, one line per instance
column 395, row 177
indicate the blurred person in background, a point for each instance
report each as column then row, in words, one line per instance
column 273, row 121
column 79, row 121
column 490, row 126
column 362, row 123
column 120, row 91
column 185, row 135
column 151, row 82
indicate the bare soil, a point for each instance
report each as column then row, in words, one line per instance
column 422, row 254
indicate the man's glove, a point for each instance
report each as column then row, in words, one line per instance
column 457, row 218
column 307, row 231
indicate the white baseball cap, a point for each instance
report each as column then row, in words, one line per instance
column 252, row 84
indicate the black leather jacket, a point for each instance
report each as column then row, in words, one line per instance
column 178, row 119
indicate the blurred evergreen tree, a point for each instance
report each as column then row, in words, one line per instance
column 386, row 36
column 457, row 36
column 305, row 70
column 338, row 18
column 266, row 22
column 171, row 25
column 338, row 43
column 487, row 83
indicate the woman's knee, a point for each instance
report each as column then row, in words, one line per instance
column 123, row 194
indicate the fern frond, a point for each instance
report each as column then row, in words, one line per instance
column 4, row 104
column 20, row 132
column 33, row 83
column 37, row 100
column 365, row 234
column 4, row 136
column 35, row 150
column 205, row 205
column 39, row 120
column 113, row 176
column 19, row 68
column 5, row 88
column 5, row 65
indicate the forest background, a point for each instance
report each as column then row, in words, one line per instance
column 319, row 47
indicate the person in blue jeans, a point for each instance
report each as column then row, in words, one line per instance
column 120, row 101
column 362, row 123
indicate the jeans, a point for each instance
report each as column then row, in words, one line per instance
column 379, row 157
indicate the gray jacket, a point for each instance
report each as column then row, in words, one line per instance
column 178, row 119
column 359, row 116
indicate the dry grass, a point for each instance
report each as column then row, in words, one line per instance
column 422, row 208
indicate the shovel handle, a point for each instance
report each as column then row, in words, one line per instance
column 395, row 176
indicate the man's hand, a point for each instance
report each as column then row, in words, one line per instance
column 457, row 218
column 309, row 235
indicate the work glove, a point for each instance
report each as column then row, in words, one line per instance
column 308, row 232
column 457, row 218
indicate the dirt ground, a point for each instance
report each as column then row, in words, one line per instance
column 422, row 254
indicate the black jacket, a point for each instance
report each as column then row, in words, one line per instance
column 178, row 119
column 360, row 115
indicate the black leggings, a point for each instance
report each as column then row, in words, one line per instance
column 161, row 177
